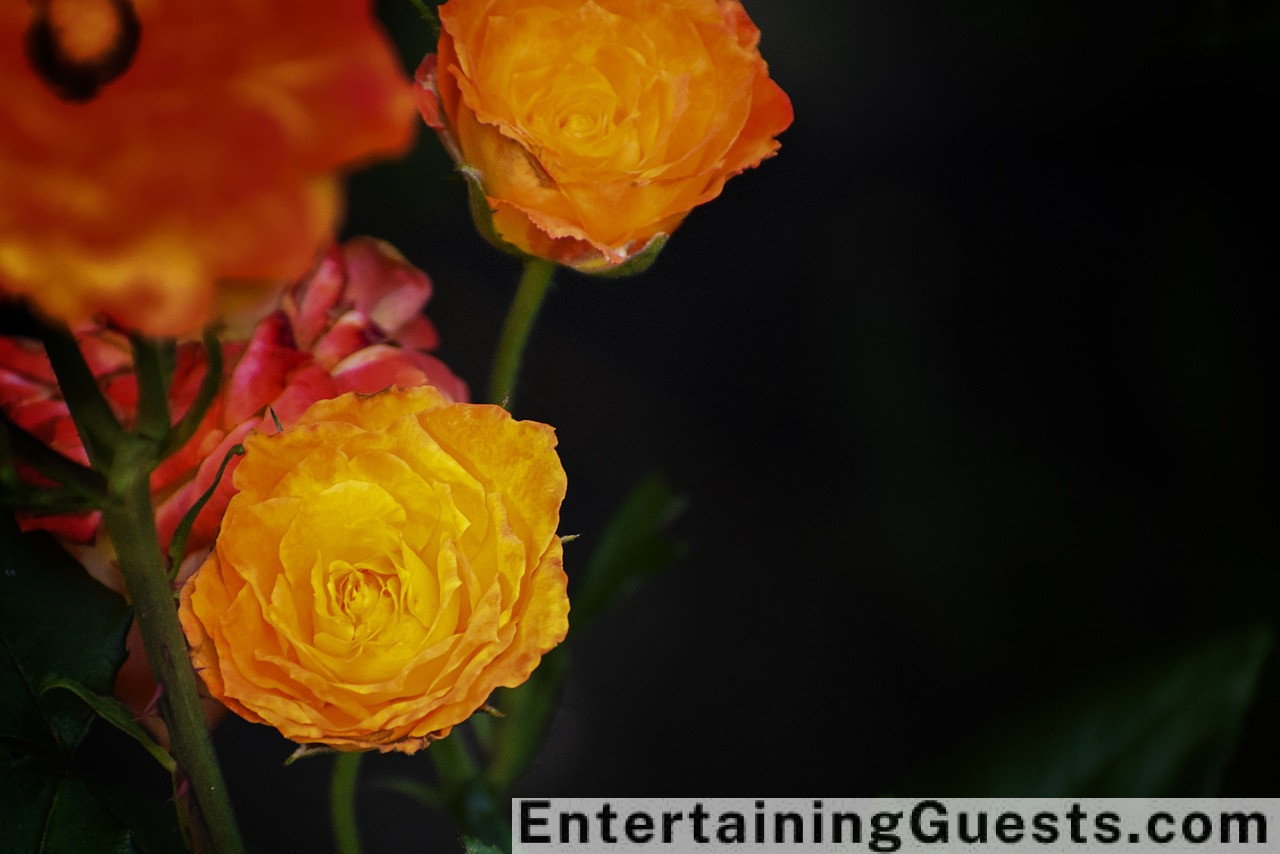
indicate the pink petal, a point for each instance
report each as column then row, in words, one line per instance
column 383, row 284
column 263, row 370
column 349, row 333
column 311, row 302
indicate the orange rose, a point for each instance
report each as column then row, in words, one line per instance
column 162, row 162
column 386, row 564
column 589, row 128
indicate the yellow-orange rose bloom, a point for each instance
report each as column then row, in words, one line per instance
column 593, row 127
column 386, row 564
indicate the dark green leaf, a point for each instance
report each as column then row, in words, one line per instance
column 412, row 789
column 61, row 643
column 115, row 713
column 150, row 817
column 44, row 812
column 56, row 622
column 633, row 547
column 27, row 789
column 209, row 384
column 475, row 846
column 430, row 17
column 178, row 543
column 527, row 709
column 1161, row 727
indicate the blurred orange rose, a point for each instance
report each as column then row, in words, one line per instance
column 383, row 567
column 592, row 127
column 354, row 324
column 163, row 162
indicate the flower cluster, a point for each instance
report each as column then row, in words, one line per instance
column 384, row 554
column 355, row 324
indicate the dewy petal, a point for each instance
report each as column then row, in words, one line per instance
column 202, row 174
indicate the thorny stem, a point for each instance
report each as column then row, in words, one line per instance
column 127, row 460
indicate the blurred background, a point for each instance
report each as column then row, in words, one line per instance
column 969, row 393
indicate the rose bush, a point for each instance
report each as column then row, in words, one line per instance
column 590, row 128
column 383, row 567
column 161, row 164
column 353, row 324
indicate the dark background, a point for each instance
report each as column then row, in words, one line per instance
column 969, row 391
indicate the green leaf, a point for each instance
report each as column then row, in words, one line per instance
column 430, row 16
column 178, row 543
column 633, row 547
column 61, row 643
column 1161, row 727
column 475, row 846
column 527, row 710
column 45, row 813
column 416, row 790
column 56, row 622
column 150, row 816
column 115, row 713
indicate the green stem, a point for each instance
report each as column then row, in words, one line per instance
column 80, row 480
column 453, row 763
column 97, row 425
column 131, row 522
column 474, row 805
column 153, row 368
column 534, row 282
column 209, row 385
column 342, row 802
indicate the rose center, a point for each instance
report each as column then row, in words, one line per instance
column 579, row 125
column 78, row 46
column 360, row 593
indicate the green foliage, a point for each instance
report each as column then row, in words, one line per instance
column 43, row 812
column 528, row 708
column 61, row 643
column 178, row 544
column 115, row 713
column 475, row 846
column 429, row 15
column 633, row 547
column 1160, row 727
column 56, row 622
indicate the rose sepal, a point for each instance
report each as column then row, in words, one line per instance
column 634, row 265
column 596, row 266
column 482, row 214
